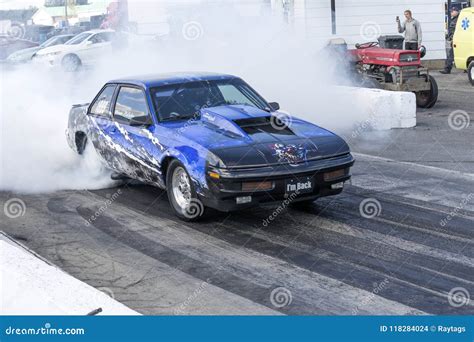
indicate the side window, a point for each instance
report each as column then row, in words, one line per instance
column 101, row 38
column 101, row 106
column 131, row 103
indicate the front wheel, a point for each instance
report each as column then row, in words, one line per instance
column 428, row 98
column 71, row 63
column 182, row 193
column 470, row 72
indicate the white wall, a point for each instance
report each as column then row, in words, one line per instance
column 363, row 20
column 155, row 16
column 314, row 17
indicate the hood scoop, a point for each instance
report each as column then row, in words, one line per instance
column 234, row 124
column 221, row 124
column 266, row 124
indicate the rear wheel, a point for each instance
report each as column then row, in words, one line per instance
column 470, row 72
column 428, row 98
column 71, row 63
column 81, row 142
column 182, row 193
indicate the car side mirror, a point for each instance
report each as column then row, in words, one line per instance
column 89, row 42
column 144, row 120
column 274, row 106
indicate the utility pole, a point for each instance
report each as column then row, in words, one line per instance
column 333, row 16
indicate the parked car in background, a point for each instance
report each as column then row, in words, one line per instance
column 25, row 55
column 9, row 45
column 463, row 42
column 83, row 49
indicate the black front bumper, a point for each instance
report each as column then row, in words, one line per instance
column 221, row 194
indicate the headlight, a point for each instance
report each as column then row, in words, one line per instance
column 214, row 161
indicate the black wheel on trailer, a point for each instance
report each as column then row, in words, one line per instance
column 470, row 72
column 428, row 98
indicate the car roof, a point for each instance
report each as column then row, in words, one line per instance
column 156, row 80
column 97, row 31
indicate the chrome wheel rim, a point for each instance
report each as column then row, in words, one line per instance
column 181, row 186
column 472, row 73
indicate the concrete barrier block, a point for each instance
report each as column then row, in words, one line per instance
column 383, row 109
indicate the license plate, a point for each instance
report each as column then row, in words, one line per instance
column 300, row 185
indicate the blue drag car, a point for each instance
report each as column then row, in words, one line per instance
column 210, row 140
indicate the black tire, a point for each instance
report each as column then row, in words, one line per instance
column 81, row 142
column 71, row 63
column 470, row 72
column 427, row 99
column 195, row 210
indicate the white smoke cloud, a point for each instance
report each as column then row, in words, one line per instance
column 262, row 49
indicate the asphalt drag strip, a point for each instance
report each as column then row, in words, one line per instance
column 403, row 256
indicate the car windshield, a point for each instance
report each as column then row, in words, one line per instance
column 79, row 38
column 55, row 41
column 184, row 100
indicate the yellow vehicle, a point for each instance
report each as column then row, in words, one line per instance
column 463, row 42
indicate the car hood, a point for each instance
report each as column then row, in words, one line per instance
column 242, row 136
column 24, row 53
